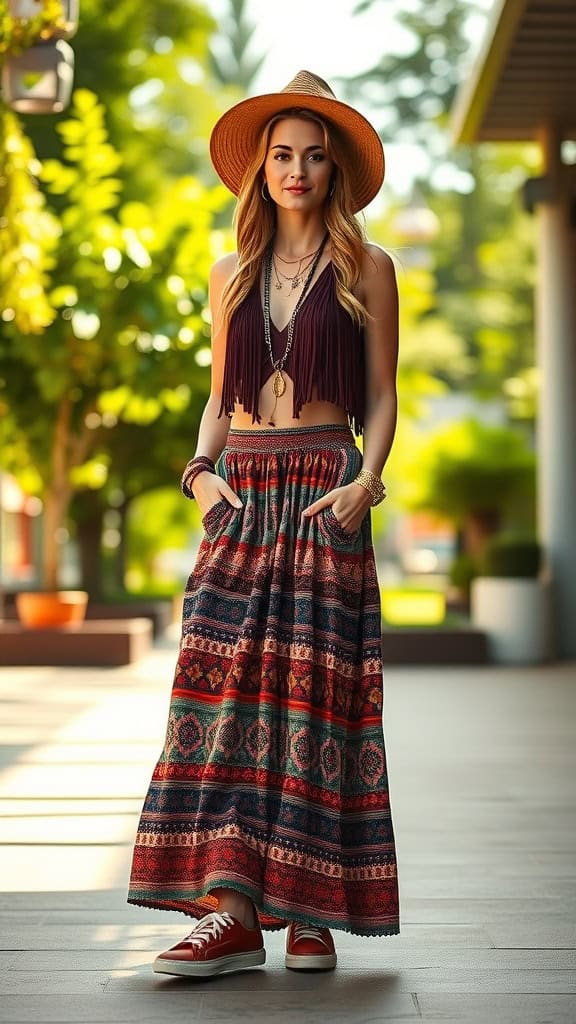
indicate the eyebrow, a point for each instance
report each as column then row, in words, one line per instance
column 307, row 150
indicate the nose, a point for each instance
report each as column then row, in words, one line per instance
column 298, row 171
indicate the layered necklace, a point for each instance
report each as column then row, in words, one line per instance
column 279, row 384
column 295, row 280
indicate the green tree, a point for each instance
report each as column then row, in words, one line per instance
column 128, row 288
column 483, row 254
column 231, row 61
column 415, row 89
column 484, row 268
column 147, row 63
column 481, row 477
column 28, row 233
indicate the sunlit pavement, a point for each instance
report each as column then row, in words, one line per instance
column 482, row 764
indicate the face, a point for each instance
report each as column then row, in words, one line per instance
column 297, row 168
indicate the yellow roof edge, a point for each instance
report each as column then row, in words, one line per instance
column 476, row 91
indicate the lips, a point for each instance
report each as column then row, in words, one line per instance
column 298, row 191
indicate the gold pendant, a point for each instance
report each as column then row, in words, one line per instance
column 279, row 384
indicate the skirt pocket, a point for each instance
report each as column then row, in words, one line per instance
column 330, row 525
column 334, row 527
column 215, row 520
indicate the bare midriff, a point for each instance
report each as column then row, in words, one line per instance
column 312, row 414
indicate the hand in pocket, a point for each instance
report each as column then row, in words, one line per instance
column 209, row 489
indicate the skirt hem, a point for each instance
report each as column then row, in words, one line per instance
column 377, row 931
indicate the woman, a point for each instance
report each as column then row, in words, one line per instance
column 269, row 805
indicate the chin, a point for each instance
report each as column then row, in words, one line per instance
column 307, row 199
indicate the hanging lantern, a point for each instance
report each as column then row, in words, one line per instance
column 39, row 81
column 26, row 9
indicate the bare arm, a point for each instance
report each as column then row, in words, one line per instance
column 212, row 432
column 380, row 294
column 208, row 487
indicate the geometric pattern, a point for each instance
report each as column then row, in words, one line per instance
column 273, row 778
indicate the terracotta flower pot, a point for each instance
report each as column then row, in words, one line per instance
column 49, row 609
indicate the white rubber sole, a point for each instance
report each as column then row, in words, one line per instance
column 310, row 963
column 204, row 969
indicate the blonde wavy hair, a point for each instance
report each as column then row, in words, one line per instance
column 255, row 223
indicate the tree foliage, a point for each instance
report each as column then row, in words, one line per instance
column 28, row 232
column 415, row 88
column 17, row 34
column 147, row 63
column 479, row 476
column 483, row 255
column 232, row 61
column 128, row 341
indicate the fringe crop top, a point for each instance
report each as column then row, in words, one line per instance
column 327, row 351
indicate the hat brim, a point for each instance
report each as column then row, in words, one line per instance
column 236, row 134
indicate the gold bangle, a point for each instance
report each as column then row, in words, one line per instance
column 373, row 485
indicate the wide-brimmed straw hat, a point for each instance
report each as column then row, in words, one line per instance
column 236, row 134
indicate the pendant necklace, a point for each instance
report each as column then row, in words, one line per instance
column 279, row 384
column 293, row 282
column 303, row 263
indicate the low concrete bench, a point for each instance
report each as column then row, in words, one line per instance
column 97, row 642
column 439, row 646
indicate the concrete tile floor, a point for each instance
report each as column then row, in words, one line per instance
column 482, row 769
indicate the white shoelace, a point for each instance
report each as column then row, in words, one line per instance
column 209, row 927
column 308, row 931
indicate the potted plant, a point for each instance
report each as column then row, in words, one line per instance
column 511, row 600
column 463, row 570
column 96, row 355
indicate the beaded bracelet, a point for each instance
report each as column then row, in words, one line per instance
column 373, row 485
column 193, row 468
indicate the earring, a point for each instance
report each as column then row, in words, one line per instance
column 264, row 192
column 332, row 188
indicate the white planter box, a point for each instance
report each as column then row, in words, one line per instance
column 516, row 615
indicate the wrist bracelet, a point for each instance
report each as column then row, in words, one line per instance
column 373, row 485
column 198, row 465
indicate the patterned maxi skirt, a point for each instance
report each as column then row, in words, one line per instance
column 272, row 780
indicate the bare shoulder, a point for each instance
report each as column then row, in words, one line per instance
column 377, row 264
column 377, row 283
column 222, row 270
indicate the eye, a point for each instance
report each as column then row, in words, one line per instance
column 281, row 156
column 317, row 157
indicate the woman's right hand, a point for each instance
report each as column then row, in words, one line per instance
column 208, row 488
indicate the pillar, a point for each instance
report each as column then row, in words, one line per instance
column 556, row 349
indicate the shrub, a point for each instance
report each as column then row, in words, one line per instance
column 463, row 570
column 512, row 556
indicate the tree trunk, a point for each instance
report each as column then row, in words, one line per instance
column 56, row 503
column 56, row 496
column 89, row 535
column 121, row 556
column 67, row 451
column 478, row 528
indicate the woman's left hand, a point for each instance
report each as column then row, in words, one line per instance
column 350, row 504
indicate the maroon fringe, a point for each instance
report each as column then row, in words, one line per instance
column 327, row 351
column 242, row 366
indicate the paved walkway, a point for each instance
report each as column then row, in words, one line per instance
column 482, row 767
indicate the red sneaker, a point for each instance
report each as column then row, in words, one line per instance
column 309, row 948
column 216, row 944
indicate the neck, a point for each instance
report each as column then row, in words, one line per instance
column 297, row 235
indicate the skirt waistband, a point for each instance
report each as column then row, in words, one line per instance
column 280, row 439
